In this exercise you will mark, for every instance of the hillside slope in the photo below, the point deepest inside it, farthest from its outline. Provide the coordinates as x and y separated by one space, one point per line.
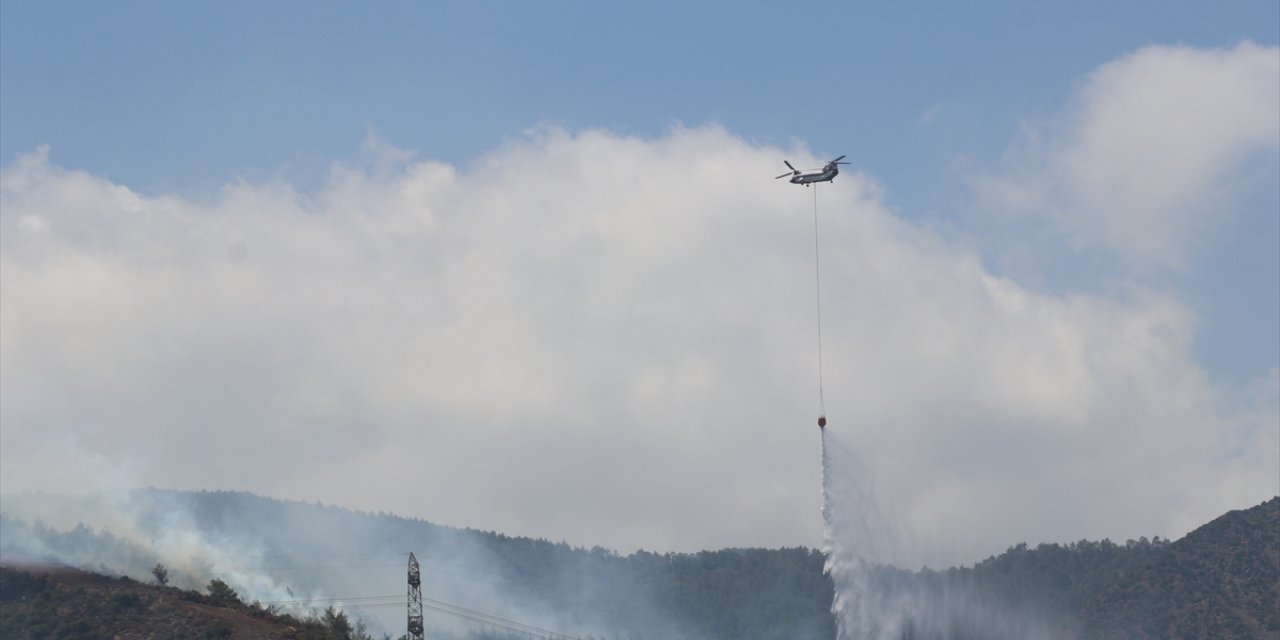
61 602
1220 581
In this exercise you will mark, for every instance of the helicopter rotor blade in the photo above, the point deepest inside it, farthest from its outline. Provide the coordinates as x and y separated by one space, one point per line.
785 175
793 169
837 161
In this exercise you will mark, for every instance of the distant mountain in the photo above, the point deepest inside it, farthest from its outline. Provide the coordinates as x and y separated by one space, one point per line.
1220 581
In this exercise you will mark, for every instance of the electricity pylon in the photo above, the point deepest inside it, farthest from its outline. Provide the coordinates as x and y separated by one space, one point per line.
415 599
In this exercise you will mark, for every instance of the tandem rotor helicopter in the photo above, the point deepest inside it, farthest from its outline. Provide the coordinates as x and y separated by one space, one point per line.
826 174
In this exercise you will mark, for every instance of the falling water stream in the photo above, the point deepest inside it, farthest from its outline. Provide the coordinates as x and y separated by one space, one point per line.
876 601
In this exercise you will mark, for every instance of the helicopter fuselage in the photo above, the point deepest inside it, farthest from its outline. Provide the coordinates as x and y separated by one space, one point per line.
827 174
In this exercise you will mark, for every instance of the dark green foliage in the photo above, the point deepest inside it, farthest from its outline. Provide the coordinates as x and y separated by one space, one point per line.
161 574
222 594
337 622
1053 577
742 594
746 593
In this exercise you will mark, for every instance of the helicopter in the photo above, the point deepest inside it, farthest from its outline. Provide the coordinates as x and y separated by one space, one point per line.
826 174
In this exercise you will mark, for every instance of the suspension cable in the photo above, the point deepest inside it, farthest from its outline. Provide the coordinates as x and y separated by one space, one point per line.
817 273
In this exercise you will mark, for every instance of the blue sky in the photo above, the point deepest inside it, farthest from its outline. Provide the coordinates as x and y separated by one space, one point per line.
156 94
978 139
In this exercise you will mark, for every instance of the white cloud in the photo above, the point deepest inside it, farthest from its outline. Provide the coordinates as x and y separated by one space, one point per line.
599 338
1151 153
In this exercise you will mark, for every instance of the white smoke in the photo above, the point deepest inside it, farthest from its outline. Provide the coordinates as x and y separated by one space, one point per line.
301 558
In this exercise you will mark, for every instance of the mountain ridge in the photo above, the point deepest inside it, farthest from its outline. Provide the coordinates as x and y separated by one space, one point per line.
1084 589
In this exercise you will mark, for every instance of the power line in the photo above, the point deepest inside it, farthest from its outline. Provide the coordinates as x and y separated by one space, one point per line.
487 618
536 587
473 615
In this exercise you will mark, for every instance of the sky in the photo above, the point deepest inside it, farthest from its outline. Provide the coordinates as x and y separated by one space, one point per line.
524 266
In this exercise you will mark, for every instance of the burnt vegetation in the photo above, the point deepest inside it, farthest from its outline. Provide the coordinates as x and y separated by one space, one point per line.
59 602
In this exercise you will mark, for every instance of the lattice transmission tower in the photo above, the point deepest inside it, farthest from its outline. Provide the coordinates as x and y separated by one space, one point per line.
415 599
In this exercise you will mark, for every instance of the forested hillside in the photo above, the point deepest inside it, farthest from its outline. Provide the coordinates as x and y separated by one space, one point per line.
1219 581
